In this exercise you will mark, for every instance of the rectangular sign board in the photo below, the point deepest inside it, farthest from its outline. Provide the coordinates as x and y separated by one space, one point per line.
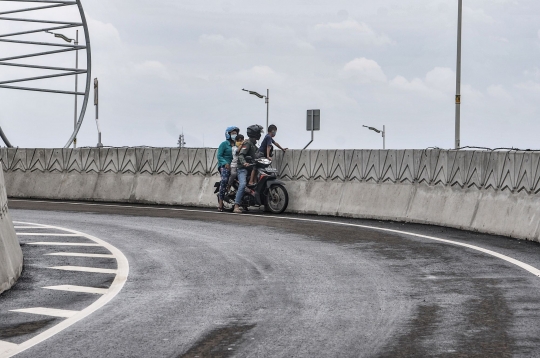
313 120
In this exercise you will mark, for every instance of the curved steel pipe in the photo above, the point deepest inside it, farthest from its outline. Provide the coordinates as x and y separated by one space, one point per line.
88 75
4 138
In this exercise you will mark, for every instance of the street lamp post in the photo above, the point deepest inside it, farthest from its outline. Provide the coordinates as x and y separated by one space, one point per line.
379 131
457 143
76 86
266 100
76 43
96 104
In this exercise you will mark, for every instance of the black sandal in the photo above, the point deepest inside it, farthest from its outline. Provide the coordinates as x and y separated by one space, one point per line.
220 209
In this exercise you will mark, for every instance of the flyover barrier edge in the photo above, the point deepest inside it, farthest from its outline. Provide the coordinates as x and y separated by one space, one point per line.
11 257
495 192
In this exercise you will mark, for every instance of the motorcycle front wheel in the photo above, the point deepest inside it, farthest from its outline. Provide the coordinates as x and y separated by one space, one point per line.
277 199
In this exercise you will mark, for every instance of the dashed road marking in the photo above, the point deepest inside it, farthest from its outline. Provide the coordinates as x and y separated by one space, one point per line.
82 289
76 254
61 244
83 269
53 312
8 349
45 234
7 346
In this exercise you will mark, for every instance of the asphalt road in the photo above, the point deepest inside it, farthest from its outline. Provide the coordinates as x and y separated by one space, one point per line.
203 284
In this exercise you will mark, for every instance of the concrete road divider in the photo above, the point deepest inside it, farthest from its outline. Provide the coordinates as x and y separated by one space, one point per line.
11 258
484 191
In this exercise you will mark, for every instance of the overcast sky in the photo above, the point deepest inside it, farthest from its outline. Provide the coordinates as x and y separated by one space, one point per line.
167 65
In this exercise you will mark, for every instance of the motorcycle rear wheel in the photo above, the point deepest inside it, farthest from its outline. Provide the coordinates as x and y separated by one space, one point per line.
277 199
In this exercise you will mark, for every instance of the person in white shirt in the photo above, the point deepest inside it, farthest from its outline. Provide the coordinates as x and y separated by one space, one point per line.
234 163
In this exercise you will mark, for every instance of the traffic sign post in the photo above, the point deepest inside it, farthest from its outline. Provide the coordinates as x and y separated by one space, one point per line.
313 123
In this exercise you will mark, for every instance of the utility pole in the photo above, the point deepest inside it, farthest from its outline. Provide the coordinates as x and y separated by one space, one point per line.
458 77
383 137
76 85
96 103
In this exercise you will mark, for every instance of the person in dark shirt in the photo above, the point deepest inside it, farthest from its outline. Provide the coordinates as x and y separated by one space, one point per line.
248 149
266 147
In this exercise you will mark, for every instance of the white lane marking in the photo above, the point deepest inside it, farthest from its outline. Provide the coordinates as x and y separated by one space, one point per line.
76 254
45 234
83 269
53 312
509 259
61 244
29 227
114 289
6 346
82 289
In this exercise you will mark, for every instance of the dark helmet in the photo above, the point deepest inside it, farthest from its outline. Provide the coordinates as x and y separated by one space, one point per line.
255 131
229 130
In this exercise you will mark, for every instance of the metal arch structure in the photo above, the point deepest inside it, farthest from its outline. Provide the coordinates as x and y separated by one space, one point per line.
56 25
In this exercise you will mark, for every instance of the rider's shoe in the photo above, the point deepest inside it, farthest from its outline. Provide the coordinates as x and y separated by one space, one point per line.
237 211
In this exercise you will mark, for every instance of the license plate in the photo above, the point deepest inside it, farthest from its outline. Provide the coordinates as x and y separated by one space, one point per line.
271 170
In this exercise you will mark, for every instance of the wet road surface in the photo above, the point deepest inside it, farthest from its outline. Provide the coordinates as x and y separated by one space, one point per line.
203 284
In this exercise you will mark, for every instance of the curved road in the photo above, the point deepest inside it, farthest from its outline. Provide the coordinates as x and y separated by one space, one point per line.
203 284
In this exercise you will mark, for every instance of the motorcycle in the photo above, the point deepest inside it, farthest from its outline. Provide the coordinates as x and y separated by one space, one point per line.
268 192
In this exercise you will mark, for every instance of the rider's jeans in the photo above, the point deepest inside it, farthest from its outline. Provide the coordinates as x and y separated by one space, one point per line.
242 182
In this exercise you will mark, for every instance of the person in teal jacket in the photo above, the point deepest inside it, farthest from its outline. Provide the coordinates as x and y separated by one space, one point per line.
225 157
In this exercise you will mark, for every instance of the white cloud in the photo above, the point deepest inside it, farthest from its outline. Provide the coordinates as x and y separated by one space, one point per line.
530 86
500 39
477 15
221 42
255 76
304 45
364 70
469 93
349 32
534 73
442 79
499 93
103 35
416 84
151 68
438 83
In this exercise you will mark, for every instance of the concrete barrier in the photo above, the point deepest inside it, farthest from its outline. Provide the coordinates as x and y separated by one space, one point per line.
11 258
490 192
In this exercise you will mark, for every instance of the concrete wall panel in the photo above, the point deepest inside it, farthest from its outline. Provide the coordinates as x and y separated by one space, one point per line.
492 192
11 258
